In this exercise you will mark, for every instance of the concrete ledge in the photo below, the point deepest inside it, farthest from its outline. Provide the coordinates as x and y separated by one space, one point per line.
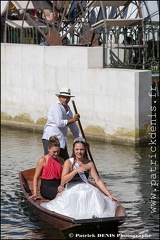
114 104
22 126
95 135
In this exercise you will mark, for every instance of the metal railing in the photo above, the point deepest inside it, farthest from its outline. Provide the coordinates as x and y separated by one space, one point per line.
123 47
22 35
131 47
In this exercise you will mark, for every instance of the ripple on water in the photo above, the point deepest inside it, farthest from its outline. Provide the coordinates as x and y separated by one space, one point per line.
125 171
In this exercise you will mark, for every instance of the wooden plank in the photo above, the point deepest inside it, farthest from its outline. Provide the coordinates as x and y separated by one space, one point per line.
117 22
32 4
27 24
109 3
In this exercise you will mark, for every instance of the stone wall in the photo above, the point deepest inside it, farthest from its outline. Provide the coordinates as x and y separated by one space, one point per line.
113 103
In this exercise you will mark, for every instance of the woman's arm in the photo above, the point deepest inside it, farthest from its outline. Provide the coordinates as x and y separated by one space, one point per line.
38 171
99 182
67 172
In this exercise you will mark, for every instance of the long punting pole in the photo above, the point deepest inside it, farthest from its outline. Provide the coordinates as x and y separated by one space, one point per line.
81 129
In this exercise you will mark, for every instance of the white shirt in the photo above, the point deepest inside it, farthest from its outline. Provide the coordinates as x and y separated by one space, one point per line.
56 124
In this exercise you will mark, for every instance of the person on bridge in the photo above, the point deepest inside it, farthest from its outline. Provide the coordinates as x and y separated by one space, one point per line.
59 118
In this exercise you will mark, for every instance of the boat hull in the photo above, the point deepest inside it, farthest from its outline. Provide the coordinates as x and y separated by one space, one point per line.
59 221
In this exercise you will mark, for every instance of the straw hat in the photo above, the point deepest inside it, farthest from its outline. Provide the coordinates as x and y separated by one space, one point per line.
64 92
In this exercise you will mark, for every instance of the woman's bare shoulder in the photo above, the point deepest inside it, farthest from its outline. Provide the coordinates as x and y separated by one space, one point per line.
42 160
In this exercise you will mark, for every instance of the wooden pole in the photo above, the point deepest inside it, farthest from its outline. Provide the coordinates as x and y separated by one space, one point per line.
81 129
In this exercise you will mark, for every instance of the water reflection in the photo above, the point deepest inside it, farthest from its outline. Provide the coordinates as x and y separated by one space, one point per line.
125 170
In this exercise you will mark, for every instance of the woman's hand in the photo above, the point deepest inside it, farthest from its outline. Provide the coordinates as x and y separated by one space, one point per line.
34 196
81 169
60 188
112 197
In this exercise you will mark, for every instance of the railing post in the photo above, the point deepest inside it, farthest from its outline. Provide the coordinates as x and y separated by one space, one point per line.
104 43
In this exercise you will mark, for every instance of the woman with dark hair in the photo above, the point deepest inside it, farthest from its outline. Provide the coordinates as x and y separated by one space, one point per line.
49 168
82 199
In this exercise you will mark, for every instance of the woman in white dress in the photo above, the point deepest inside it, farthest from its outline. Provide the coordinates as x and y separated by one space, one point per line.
82 199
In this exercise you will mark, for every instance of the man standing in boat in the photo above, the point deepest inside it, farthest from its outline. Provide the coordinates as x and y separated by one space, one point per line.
59 118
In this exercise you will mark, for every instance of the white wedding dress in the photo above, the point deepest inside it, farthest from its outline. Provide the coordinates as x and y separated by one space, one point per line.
81 200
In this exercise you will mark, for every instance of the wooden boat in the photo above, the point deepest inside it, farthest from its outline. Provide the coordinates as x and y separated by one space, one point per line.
59 221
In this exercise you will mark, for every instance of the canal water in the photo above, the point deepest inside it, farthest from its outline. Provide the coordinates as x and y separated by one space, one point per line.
127 172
